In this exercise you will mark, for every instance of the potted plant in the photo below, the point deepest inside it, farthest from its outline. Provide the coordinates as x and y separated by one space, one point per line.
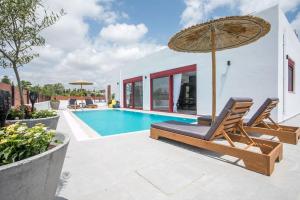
31 160
31 118
54 103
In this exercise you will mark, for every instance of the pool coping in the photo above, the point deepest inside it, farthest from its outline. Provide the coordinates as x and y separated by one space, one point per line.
83 132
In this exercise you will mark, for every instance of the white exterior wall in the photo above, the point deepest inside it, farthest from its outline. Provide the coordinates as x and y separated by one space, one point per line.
253 71
288 45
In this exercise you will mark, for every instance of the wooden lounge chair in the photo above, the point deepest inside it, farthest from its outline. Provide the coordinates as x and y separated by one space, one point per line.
89 104
223 128
258 124
73 104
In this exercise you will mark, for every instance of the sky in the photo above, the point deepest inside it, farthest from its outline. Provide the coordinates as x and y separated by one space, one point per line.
96 36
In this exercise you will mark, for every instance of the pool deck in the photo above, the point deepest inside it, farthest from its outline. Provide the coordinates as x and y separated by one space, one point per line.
135 167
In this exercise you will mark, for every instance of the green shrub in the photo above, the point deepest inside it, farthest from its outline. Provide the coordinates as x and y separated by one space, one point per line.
19 112
43 114
16 113
18 142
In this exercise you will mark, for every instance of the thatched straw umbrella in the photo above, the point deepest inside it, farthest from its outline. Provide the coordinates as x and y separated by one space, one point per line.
81 83
217 35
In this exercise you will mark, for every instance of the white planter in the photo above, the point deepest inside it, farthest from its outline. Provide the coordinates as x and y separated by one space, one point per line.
34 178
50 122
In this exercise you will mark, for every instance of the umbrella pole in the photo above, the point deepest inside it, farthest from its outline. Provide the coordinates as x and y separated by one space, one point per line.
213 57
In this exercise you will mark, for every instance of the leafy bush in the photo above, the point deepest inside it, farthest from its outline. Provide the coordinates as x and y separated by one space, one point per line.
18 142
20 112
43 114
17 113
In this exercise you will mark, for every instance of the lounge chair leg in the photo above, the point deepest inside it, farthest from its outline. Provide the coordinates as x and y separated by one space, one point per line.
153 135
263 166
280 154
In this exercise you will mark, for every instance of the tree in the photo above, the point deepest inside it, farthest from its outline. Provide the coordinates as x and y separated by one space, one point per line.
26 84
21 22
6 80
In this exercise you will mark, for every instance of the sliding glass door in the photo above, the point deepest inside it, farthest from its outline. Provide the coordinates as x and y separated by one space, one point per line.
128 95
133 93
138 94
174 90
161 94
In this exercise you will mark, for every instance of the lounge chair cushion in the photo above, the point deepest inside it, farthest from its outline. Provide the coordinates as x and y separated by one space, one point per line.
227 109
89 102
191 130
72 102
261 109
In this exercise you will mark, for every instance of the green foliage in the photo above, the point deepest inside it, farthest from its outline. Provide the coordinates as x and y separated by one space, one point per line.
6 80
26 84
21 24
18 142
52 89
43 114
18 113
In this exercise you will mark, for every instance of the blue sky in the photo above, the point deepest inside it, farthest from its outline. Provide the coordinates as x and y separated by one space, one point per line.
163 17
98 36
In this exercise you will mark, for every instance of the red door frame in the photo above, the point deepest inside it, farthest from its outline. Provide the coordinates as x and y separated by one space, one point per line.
291 85
169 73
132 81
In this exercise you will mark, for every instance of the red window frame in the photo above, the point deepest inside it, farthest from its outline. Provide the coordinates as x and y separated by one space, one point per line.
291 79
169 73
132 81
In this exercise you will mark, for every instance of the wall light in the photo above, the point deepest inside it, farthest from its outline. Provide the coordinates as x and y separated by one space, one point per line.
145 77
228 63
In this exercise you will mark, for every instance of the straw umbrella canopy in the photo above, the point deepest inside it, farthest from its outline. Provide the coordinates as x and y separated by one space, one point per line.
217 35
81 83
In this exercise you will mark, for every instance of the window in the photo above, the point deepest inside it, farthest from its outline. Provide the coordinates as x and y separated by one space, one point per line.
291 75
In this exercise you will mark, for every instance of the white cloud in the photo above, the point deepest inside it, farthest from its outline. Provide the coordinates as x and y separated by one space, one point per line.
197 11
296 23
123 33
71 54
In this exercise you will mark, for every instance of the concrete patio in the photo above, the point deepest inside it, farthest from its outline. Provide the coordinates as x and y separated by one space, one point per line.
135 167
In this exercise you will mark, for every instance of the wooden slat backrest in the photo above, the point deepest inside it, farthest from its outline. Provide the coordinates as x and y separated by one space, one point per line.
266 113
230 117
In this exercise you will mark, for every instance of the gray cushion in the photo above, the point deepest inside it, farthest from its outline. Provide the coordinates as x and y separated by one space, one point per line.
72 102
191 130
89 102
261 109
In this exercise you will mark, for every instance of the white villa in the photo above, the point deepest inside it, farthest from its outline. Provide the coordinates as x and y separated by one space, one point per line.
181 82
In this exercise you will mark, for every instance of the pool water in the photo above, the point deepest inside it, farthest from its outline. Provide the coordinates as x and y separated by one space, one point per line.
112 122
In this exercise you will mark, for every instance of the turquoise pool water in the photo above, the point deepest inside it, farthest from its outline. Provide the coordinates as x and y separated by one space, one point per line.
112 122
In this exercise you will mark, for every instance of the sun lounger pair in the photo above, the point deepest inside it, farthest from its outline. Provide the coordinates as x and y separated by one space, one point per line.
225 129
258 124
88 104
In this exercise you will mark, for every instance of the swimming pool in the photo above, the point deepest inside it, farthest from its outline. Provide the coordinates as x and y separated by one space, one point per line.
113 122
